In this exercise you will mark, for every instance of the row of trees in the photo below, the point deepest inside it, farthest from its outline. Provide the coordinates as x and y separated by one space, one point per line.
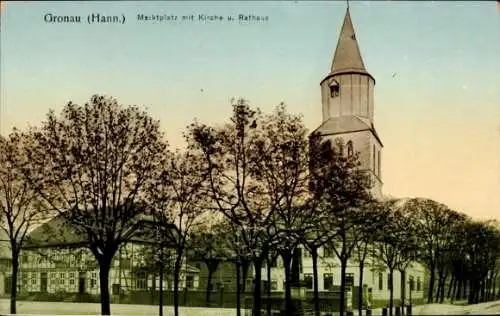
250 190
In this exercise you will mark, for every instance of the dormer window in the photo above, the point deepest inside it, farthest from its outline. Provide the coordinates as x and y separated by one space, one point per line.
334 89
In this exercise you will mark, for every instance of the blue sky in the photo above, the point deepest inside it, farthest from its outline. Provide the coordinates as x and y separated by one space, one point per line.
437 97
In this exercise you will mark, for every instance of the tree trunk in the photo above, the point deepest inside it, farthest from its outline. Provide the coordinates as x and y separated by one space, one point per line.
238 288
245 264
432 279
212 265
269 263
438 288
493 287
257 293
360 292
466 284
160 290
483 290
478 291
451 287
177 271
403 290
287 260
470 297
391 290
442 287
15 273
314 255
104 267
209 287
458 288
343 268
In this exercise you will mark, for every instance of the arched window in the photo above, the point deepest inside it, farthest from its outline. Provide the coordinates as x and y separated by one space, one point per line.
334 88
350 149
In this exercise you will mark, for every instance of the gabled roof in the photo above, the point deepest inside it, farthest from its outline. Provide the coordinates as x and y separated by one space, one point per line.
347 55
345 124
58 232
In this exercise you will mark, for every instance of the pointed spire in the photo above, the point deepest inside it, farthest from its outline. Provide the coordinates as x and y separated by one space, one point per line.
347 54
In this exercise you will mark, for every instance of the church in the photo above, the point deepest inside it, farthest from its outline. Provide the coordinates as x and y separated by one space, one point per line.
347 97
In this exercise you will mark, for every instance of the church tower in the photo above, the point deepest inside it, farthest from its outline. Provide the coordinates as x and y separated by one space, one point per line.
347 104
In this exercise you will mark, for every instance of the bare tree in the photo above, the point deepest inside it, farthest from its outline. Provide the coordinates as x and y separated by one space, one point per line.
210 244
434 223
372 214
20 209
396 244
91 164
344 190
178 199
281 166
228 151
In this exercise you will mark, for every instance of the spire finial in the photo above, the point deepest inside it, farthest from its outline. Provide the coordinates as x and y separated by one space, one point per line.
347 4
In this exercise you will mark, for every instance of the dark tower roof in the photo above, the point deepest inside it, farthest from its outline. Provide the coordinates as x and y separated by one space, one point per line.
347 56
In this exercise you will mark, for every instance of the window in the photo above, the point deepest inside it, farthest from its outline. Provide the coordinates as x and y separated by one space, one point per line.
412 283
374 156
308 280
307 254
388 282
350 149
334 89
190 281
142 284
378 162
380 281
61 281
25 258
328 252
349 279
33 275
93 283
71 281
33 281
328 281
418 284
94 275
24 278
72 275
53 275
274 285
116 289
62 275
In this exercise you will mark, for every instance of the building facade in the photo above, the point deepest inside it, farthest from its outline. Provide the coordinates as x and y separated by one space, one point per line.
55 260
75 270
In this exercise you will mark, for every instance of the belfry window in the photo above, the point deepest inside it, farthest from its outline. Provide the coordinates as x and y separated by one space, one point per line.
334 89
350 149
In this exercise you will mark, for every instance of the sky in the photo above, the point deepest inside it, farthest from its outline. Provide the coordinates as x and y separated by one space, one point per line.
436 65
